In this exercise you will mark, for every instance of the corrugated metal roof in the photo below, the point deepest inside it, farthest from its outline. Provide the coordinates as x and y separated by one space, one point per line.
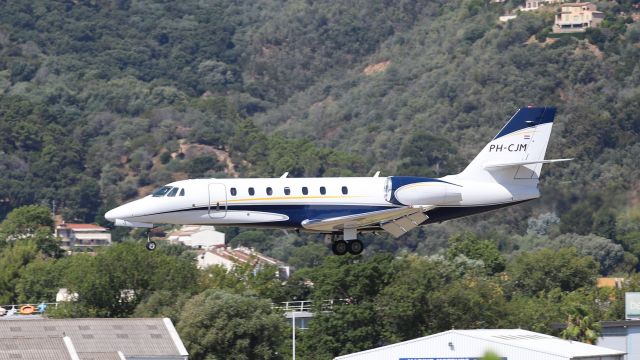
34 349
144 337
99 356
509 338
539 342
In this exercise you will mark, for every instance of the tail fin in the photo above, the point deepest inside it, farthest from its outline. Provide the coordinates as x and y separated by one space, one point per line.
516 154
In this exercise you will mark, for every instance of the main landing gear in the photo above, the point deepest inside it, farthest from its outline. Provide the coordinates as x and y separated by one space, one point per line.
349 244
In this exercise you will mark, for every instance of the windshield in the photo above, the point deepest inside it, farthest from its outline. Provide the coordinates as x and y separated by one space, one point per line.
173 192
160 192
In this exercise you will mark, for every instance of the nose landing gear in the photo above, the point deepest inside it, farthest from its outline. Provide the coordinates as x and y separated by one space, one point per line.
150 245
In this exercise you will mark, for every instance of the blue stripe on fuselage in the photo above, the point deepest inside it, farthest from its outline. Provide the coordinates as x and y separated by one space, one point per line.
299 213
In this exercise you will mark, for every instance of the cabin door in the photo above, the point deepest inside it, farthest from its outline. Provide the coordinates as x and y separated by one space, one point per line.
217 201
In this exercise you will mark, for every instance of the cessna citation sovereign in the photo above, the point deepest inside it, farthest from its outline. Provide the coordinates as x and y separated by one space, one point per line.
504 173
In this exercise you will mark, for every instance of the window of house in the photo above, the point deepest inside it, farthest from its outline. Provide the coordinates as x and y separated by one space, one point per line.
181 192
287 191
345 191
323 190
269 191
234 192
305 191
173 192
252 191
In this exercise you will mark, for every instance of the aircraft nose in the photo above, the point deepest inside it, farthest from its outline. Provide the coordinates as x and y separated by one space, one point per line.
121 212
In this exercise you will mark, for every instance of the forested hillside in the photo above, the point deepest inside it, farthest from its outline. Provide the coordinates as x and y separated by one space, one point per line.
103 100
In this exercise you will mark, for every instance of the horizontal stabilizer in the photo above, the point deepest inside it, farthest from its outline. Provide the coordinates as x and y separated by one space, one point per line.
489 166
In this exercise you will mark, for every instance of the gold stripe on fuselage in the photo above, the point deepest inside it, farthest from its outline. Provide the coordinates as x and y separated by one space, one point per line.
292 198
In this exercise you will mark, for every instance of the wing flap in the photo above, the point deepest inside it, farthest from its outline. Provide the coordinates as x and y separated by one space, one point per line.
403 225
362 220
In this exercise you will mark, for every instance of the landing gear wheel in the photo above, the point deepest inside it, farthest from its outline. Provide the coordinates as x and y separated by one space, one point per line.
355 247
339 247
150 245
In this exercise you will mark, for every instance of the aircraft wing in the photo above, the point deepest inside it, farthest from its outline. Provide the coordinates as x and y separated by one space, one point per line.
396 221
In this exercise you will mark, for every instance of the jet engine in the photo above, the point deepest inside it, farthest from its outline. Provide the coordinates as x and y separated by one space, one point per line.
407 190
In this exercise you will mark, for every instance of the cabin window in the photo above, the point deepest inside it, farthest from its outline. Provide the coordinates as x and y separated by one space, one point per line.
181 192
345 191
234 192
323 190
173 192
252 191
305 191
269 191
287 191
160 192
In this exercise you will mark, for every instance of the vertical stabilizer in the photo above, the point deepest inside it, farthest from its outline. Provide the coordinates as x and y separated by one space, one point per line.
515 155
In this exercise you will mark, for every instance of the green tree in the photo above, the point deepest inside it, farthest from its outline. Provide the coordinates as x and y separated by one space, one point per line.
220 325
162 303
307 256
471 246
13 259
116 280
39 281
424 154
581 326
25 221
547 269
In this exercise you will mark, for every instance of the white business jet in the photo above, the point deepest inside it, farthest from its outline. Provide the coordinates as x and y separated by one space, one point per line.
504 173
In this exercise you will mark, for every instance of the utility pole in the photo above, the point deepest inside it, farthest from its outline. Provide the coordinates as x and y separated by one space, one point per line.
293 333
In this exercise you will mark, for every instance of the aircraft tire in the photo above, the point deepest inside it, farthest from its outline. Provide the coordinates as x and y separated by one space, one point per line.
340 247
150 245
355 247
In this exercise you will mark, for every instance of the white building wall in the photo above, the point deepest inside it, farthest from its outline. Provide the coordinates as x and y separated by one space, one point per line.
204 239
461 347
209 259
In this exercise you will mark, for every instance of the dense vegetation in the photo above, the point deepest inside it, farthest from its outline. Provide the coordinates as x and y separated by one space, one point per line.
377 300
100 101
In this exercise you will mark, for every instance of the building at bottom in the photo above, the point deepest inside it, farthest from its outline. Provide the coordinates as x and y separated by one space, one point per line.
622 335
90 339
508 344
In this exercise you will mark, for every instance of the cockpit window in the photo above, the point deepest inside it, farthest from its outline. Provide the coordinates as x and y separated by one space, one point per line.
181 192
173 192
162 191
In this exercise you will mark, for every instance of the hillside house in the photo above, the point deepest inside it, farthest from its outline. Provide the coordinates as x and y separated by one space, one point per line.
197 236
229 258
82 235
531 5
577 17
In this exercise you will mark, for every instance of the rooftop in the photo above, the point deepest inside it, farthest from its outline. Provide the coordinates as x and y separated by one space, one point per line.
576 4
36 348
522 339
103 338
81 227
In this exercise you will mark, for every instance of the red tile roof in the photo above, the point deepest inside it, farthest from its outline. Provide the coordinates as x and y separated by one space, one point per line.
92 227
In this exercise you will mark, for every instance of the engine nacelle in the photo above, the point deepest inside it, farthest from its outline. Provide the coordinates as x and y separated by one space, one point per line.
407 190
134 224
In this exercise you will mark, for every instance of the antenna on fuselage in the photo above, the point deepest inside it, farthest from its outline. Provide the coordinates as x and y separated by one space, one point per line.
377 174
284 175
